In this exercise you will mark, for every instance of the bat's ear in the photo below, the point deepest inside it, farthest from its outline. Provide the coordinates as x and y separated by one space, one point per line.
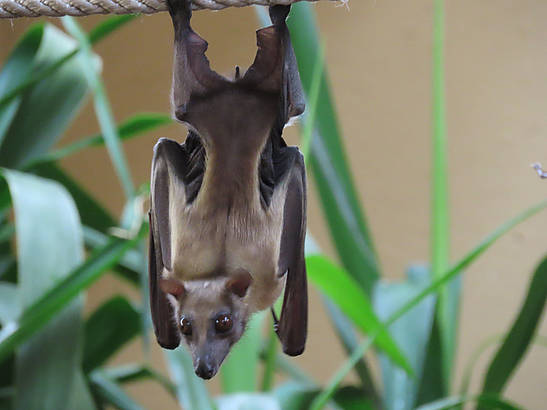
239 283
172 287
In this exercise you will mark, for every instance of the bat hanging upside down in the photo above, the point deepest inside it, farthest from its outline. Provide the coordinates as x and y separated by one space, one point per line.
228 206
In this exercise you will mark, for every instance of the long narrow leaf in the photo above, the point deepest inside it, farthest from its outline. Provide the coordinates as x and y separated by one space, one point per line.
489 401
134 372
270 354
519 337
109 392
346 367
239 371
348 337
130 128
102 29
45 308
342 289
432 385
102 109
477 353
80 397
191 391
92 212
16 71
411 332
127 267
49 245
448 300
47 109
108 26
10 307
110 327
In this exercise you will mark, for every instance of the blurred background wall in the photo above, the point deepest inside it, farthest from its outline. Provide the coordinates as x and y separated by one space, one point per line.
379 58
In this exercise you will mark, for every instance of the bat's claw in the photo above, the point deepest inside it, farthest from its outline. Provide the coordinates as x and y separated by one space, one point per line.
279 13
180 11
537 166
275 322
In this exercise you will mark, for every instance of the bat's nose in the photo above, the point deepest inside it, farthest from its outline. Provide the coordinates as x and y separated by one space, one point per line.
205 370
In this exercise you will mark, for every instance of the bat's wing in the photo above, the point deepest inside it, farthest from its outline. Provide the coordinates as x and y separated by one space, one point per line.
293 323
293 99
193 78
162 311
177 172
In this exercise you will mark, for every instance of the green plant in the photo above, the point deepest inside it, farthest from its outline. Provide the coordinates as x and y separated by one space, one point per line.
55 219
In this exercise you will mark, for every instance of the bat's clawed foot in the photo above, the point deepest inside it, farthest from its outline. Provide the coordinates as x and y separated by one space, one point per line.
279 13
537 166
180 11
275 322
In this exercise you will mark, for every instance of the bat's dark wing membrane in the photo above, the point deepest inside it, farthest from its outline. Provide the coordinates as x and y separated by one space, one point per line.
293 100
293 323
173 166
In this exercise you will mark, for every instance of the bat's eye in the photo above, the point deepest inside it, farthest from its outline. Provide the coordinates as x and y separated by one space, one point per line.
223 323
185 326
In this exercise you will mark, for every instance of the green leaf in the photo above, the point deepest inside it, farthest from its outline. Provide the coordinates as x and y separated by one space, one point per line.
111 393
108 26
49 303
481 348
346 333
296 396
108 329
337 191
130 128
522 331
128 266
92 213
346 367
102 108
269 354
239 372
191 391
342 289
98 33
411 333
10 308
250 401
133 372
80 397
286 366
16 70
449 295
49 245
47 109
432 385
489 401
311 109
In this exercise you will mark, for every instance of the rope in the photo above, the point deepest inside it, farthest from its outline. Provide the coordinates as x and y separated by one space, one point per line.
57 8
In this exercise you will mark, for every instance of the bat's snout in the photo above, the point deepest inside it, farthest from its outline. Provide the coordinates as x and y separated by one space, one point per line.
205 370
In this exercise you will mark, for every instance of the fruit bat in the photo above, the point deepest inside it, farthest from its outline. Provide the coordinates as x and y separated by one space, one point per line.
228 206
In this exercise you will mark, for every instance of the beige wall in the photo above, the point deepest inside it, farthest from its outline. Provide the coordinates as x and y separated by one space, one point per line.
379 61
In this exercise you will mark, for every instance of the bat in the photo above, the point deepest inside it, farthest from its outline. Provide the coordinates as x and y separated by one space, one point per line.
228 206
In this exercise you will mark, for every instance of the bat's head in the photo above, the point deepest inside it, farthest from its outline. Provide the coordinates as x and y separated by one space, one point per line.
211 316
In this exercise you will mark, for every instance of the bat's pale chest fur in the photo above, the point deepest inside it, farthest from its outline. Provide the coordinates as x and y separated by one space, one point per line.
226 228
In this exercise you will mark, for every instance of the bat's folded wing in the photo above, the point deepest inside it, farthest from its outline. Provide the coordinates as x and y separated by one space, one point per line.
292 326
173 166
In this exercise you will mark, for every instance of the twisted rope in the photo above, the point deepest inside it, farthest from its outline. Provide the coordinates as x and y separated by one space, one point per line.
57 8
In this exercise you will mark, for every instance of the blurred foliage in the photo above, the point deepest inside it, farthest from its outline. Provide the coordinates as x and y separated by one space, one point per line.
44 270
